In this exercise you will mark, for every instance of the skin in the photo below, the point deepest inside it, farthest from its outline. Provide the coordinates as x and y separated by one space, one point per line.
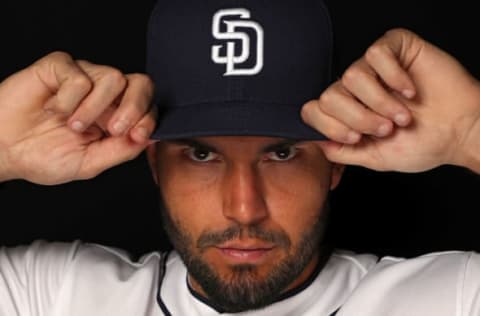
427 101
243 182
400 74
77 120
404 106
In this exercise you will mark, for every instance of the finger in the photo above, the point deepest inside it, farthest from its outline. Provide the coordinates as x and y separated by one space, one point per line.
355 155
361 81
135 103
145 127
338 103
63 77
92 134
109 152
109 83
330 127
385 56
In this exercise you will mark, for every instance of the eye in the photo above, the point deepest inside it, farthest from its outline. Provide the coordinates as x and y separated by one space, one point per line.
283 154
199 154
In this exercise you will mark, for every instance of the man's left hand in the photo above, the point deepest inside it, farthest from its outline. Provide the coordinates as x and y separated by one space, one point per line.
406 106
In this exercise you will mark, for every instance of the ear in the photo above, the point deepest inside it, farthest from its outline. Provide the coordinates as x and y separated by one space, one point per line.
337 173
152 160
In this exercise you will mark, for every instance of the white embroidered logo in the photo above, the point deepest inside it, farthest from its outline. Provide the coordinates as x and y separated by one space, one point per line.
230 59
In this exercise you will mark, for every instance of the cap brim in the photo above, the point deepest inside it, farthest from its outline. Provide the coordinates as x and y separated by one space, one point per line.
233 119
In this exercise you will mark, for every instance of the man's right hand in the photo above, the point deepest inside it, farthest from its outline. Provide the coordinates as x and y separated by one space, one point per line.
63 119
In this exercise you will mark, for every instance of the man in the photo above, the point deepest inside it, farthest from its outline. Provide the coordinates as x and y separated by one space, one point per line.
245 194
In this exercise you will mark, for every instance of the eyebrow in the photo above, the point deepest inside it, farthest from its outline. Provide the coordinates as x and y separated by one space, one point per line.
280 145
191 142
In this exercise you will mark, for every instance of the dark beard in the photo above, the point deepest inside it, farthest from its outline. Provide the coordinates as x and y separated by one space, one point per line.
244 289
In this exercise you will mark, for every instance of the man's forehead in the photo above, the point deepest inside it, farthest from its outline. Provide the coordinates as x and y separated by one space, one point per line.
216 143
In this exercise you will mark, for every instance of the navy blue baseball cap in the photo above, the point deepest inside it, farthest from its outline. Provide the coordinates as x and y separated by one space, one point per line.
238 67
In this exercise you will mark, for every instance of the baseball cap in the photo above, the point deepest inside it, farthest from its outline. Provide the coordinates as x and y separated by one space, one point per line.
237 67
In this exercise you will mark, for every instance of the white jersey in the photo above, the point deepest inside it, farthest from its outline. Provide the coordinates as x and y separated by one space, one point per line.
58 279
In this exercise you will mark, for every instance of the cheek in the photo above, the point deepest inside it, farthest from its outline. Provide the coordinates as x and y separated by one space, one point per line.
295 195
190 195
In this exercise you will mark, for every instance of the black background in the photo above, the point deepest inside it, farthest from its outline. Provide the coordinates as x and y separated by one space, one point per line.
382 213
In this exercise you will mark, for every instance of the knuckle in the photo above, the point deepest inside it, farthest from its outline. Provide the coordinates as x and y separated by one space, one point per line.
308 109
81 83
52 59
397 30
351 75
139 78
328 100
325 98
374 52
59 55
115 78
143 80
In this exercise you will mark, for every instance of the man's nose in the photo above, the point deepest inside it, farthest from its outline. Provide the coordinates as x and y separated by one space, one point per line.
243 196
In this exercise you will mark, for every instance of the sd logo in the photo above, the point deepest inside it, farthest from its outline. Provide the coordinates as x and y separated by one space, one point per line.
231 60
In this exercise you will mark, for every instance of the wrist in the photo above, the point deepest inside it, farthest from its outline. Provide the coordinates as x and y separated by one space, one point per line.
468 151
471 150
5 174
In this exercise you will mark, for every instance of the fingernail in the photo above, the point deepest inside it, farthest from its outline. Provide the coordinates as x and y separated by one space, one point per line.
353 137
401 119
407 93
120 126
78 126
383 130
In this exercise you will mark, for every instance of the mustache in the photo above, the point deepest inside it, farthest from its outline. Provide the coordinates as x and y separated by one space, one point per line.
212 238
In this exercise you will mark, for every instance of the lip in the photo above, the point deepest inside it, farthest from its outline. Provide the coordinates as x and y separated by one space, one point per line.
246 245
245 252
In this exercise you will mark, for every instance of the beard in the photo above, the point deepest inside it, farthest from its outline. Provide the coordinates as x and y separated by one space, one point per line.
243 288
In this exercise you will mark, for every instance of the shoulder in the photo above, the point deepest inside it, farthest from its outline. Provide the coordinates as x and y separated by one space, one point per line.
362 262
426 271
348 267
447 261
105 262
429 283
98 272
84 274
44 255
345 270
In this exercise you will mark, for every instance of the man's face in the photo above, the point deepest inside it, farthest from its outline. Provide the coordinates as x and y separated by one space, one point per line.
246 214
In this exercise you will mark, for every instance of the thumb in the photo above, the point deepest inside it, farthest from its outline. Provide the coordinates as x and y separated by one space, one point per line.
109 152
356 155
